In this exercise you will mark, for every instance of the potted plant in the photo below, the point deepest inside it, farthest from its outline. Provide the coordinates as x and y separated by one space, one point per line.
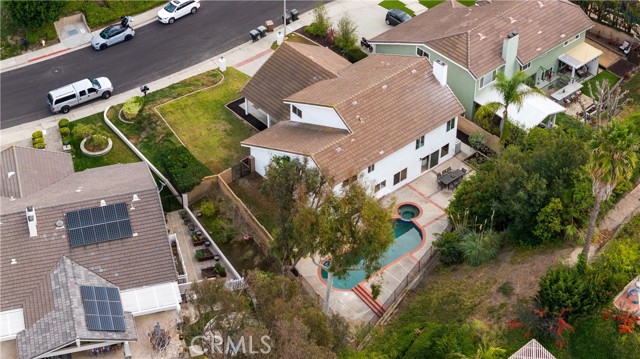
203 255
183 213
198 241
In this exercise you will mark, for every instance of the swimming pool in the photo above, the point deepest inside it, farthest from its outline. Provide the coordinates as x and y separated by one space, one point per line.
408 238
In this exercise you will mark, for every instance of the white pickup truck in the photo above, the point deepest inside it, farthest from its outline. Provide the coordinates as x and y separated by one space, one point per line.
63 98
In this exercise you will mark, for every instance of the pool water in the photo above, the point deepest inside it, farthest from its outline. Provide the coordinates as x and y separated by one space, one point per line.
408 238
408 211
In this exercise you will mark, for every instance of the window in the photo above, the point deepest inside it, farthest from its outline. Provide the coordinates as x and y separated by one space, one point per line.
420 52
380 186
444 150
420 142
83 93
400 176
525 66
92 90
349 180
371 168
65 98
487 79
571 40
297 111
451 124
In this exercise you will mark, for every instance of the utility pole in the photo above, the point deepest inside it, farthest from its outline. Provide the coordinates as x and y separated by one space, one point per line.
284 19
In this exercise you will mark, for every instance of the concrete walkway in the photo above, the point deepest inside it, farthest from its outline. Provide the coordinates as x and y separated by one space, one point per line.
176 225
626 208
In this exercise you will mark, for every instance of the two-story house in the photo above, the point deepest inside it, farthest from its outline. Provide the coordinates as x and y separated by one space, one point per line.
546 39
385 119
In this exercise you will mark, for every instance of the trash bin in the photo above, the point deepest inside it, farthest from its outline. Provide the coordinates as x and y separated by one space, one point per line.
262 30
255 35
294 15
288 18
458 146
269 25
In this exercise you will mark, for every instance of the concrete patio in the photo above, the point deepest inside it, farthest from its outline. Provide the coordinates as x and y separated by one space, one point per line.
422 192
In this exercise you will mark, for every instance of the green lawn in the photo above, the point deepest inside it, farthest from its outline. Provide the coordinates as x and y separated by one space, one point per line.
120 153
210 131
293 37
431 3
604 75
395 4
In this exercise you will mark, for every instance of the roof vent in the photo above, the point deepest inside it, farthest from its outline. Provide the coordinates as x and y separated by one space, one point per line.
381 152
512 20
354 103
103 203
32 221
540 3
14 261
10 174
384 87
79 189
482 37
135 198
339 149
540 32
12 198
414 71
59 223
538 49
562 35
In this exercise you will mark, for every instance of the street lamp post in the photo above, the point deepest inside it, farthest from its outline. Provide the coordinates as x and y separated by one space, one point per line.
284 19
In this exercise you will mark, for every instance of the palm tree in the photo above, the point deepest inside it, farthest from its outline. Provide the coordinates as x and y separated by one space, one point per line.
613 158
512 92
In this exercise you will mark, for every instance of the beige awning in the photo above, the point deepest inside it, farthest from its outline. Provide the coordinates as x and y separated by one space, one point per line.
580 55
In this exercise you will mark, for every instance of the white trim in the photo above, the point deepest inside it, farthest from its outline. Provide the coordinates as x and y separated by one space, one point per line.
78 348
11 323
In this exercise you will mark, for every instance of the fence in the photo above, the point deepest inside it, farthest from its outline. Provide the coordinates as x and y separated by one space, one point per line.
312 293
468 127
182 278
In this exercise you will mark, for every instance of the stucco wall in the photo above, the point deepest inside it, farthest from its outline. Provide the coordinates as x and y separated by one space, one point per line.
318 115
262 157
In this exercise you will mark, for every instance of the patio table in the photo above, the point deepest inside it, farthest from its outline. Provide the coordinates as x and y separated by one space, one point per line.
566 91
450 177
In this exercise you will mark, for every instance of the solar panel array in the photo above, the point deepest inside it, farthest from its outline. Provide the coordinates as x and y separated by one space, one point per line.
98 224
103 308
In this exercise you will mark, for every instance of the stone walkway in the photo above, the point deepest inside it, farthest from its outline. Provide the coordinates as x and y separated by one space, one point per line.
626 208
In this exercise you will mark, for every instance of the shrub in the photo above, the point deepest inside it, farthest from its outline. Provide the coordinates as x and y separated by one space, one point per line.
207 208
37 134
222 231
448 244
354 55
564 288
63 123
321 21
479 247
33 14
66 140
65 131
549 227
346 37
182 169
477 140
38 142
132 107
506 289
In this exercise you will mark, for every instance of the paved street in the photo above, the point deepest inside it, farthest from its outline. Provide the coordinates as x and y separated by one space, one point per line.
156 51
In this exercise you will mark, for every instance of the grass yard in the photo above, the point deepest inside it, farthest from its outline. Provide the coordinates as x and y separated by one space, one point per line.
293 37
395 4
120 153
210 131
633 86
248 190
431 3
604 75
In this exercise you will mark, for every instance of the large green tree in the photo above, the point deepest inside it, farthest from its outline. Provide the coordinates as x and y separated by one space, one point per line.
351 229
613 159
290 182
512 93
32 14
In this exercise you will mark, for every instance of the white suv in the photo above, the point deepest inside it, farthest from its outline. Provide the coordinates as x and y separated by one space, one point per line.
176 9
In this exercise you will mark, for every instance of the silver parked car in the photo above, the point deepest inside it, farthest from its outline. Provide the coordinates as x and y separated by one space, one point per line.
114 34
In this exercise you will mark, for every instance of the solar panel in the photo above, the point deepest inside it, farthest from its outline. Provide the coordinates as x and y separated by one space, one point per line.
103 309
98 224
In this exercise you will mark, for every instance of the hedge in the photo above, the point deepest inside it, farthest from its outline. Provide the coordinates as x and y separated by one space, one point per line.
63 123
132 107
65 131
183 170
37 134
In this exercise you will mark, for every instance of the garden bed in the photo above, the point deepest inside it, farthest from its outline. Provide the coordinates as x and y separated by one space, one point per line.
205 254
476 159
176 258
356 56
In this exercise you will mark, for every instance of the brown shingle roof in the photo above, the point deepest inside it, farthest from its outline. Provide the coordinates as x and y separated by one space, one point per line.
473 36
291 68
387 101
295 137
25 170
54 312
128 263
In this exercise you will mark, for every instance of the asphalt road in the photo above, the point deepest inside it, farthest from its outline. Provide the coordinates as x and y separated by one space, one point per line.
157 50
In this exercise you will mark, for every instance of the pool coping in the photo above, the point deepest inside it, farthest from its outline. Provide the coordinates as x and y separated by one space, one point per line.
396 216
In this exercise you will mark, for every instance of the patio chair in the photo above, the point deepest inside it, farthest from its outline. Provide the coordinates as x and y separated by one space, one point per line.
464 171
625 45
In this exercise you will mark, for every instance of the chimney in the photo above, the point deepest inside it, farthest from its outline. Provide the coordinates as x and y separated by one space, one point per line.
440 72
509 53
32 222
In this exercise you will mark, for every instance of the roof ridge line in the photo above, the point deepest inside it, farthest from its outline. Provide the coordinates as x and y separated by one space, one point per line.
293 47
15 161
492 18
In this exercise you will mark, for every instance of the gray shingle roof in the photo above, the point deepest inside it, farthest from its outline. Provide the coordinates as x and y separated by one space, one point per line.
473 36
54 312
144 259
25 170
386 101
291 68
